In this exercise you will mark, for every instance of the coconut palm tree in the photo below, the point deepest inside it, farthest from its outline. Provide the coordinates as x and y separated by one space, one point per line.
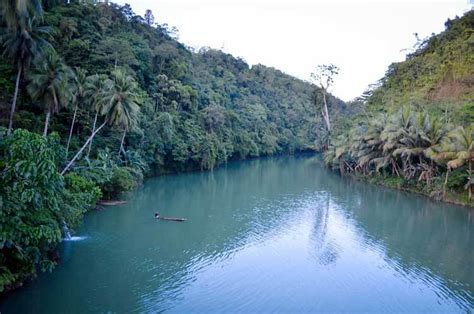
369 148
14 10
120 107
50 83
21 45
415 136
78 154
395 133
457 150
96 88
78 98
123 105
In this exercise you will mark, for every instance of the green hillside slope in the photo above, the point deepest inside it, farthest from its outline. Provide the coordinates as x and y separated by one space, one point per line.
415 129
439 75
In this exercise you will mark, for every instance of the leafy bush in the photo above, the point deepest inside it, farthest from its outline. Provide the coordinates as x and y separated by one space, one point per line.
80 196
123 179
32 192
35 202
457 179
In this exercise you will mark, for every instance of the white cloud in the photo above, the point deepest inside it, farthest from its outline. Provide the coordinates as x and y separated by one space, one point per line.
361 37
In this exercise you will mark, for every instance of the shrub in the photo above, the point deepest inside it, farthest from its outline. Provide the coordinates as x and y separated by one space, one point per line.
122 180
31 194
457 178
81 195
35 202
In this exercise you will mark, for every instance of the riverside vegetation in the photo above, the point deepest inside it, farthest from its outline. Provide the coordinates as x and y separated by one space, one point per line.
94 98
414 129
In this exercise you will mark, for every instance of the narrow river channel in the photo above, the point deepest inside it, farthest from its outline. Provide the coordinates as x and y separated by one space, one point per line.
279 234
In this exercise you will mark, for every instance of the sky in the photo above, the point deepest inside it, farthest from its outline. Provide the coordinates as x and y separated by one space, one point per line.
361 37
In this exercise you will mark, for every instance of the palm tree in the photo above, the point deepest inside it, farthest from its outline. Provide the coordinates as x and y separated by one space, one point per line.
71 162
119 104
415 136
21 45
339 153
80 81
123 104
457 150
50 82
395 133
14 10
369 148
96 87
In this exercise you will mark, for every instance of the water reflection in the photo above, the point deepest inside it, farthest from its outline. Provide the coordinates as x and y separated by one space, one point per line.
279 234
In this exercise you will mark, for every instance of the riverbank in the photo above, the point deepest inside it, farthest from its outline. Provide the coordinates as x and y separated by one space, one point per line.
451 197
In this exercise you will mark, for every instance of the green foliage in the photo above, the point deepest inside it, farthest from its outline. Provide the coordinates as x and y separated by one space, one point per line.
414 127
50 82
80 196
457 179
122 180
35 202
437 74
198 110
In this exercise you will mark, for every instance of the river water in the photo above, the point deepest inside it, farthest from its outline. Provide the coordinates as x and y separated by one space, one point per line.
280 234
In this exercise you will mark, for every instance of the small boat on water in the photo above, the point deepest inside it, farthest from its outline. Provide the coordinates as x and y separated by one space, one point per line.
158 216
172 219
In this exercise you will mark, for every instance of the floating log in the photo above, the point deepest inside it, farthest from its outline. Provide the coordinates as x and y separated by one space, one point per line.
111 203
172 219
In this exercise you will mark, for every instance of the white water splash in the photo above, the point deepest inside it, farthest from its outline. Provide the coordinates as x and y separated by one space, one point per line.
73 239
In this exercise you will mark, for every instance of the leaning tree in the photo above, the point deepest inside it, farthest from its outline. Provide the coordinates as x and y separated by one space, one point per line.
324 78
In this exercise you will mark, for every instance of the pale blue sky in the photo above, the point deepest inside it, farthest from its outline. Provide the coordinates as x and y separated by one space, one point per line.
361 37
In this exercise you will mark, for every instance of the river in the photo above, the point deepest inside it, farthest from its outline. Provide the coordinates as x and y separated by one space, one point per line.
279 234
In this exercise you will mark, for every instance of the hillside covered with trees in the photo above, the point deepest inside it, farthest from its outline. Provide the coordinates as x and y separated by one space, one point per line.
414 130
94 98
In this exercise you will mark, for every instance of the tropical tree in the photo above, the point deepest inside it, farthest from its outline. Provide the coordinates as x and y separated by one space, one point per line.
14 11
457 150
368 147
78 98
338 154
120 107
324 77
96 87
123 105
149 17
22 44
423 133
50 83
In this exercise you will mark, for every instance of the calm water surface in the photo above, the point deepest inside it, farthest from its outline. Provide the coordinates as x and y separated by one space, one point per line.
280 234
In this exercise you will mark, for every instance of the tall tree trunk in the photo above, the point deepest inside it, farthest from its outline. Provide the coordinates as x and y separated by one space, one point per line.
15 96
72 128
46 123
121 143
82 148
326 112
326 118
445 182
48 114
93 130
469 188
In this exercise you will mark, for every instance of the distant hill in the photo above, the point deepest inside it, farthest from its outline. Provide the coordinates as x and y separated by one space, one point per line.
439 75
